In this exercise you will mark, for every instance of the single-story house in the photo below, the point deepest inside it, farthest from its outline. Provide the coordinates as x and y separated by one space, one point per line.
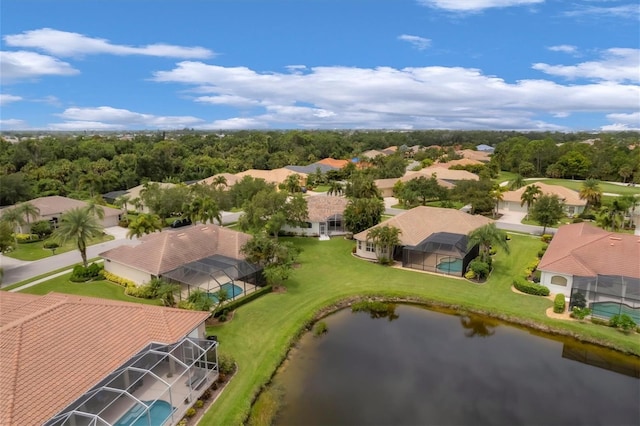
72 360
275 176
134 194
324 217
310 169
371 154
200 256
573 205
450 175
231 179
484 157
385 186
461 162
485 148
53 207
604 266
431 239
332 162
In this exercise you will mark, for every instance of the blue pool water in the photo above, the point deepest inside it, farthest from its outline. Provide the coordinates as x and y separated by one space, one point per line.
159 411
454 265
609 309
232 291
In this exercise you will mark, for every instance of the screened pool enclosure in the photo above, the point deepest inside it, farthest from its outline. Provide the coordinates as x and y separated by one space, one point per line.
442 252
212 274
608 295
153 388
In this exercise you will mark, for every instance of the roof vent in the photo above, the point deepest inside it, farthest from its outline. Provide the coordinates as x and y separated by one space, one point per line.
182 234
615 238
204 229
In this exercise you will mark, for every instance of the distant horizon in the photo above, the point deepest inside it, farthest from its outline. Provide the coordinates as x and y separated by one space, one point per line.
335 65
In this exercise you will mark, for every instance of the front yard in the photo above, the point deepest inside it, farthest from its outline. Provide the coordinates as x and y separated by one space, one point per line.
36 250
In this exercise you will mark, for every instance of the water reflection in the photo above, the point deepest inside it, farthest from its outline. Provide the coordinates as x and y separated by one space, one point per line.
477 326
629 366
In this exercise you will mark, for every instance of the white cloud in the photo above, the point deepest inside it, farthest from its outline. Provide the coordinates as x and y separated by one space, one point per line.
623 122
564 48
6 99
13 124
104 118
418 42
238 123
26 65
63 43
617 64
628 11
384 97
475 5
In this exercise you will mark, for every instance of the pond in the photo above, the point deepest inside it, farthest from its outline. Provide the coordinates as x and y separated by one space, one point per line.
431 368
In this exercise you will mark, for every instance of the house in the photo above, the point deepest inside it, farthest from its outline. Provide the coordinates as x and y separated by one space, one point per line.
431 239
207 257
230 179
573 205
449 175
485 148
136 192
310 169
475 155
462 162
275 176
385 186
604 266
80 360
53 207
371 154
336 164
324 217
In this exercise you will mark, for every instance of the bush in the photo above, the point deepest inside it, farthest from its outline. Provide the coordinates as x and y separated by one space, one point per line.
199 403
587 216
577 220
118 280
546 238
530 288
226 364
320 328
51 245
470 275
82 274
190 412
42 228
623 321
579 300
581 313
27 238
235 304
559 303
480 269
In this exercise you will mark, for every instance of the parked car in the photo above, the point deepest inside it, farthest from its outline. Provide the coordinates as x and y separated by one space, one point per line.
179 223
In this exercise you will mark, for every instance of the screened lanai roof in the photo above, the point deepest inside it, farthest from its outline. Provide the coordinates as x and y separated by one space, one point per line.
443 242
221 269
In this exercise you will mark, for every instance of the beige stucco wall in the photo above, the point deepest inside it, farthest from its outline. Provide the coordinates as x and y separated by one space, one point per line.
124 271
545 280
314 231
361 252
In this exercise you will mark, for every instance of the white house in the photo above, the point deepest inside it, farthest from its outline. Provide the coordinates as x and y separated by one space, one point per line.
324 217
573 205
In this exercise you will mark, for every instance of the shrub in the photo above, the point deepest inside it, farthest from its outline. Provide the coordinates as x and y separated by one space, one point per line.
582 313
320 328
623 321
578 300
226 364
546 238
480 269
42 228
530 288
470 275
82 274
542 251
51 245
559 303
235 304
587 216
182 422
27 238
118 280
577 220
190 412
199 403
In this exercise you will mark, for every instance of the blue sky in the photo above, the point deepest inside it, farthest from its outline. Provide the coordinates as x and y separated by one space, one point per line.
320 64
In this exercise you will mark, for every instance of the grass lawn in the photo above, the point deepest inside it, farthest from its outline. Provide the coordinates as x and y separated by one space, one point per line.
36 251
262 331
604 186
505 176
321 188
102 288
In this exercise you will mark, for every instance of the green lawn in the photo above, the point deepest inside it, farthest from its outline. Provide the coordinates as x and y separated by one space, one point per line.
321 188
604 186
261 332
36 251
505 177
102 288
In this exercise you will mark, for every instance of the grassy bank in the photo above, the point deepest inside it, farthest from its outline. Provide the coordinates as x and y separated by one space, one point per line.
36 250
262 331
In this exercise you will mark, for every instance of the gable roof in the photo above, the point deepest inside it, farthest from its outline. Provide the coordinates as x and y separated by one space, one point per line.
371 154
231 179
164 251
461 162
135 191
569 196
276 176
475 155
321 207
336 164
56 347
420 222
444 173
585 250
57 205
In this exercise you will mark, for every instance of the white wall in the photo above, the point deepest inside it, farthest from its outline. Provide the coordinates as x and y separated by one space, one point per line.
362 252
545 280
314 231
124 271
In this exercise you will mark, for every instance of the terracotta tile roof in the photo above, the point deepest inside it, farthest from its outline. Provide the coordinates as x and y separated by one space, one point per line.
338 164
585 250
420 222
321 207
58 346
570 197
56 205
276 176
231 179
164 251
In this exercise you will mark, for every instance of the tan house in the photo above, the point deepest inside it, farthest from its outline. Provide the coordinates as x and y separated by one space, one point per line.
231 179
385 186
573 205
53 207
431 239
604 266
275 176
80 360
462 162
324 217
481 156
135 194
443 173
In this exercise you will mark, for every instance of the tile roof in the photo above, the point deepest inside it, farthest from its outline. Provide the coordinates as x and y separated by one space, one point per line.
164 251
56 347
445 174
337 164
475 155
461 162
135 191
570 197
390 183
420 222
56 205
276 176
585 250
311 168
231 179
321 207
371 154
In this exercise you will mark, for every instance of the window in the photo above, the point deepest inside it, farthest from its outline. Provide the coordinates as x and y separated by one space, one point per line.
370 247
558 280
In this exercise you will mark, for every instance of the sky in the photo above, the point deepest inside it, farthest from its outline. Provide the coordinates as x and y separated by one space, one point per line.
115 65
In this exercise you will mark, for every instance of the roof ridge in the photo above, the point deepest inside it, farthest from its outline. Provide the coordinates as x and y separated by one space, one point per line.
40 312
162 250
11 400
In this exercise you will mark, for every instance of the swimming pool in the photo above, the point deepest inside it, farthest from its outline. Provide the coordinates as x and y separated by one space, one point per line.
609 309
232 291
159 412
450 264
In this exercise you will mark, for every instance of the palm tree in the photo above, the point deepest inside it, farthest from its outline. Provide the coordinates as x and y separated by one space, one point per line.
591 192
384 238
145 223
15 219
95 208
335 188
28 211
497 194
219 181
80 225
123 202
517 183
292 184
485 237
203 209
529 196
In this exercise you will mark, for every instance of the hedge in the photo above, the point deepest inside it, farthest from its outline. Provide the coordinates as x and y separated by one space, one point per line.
559 303
118 280
528 287
235 304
